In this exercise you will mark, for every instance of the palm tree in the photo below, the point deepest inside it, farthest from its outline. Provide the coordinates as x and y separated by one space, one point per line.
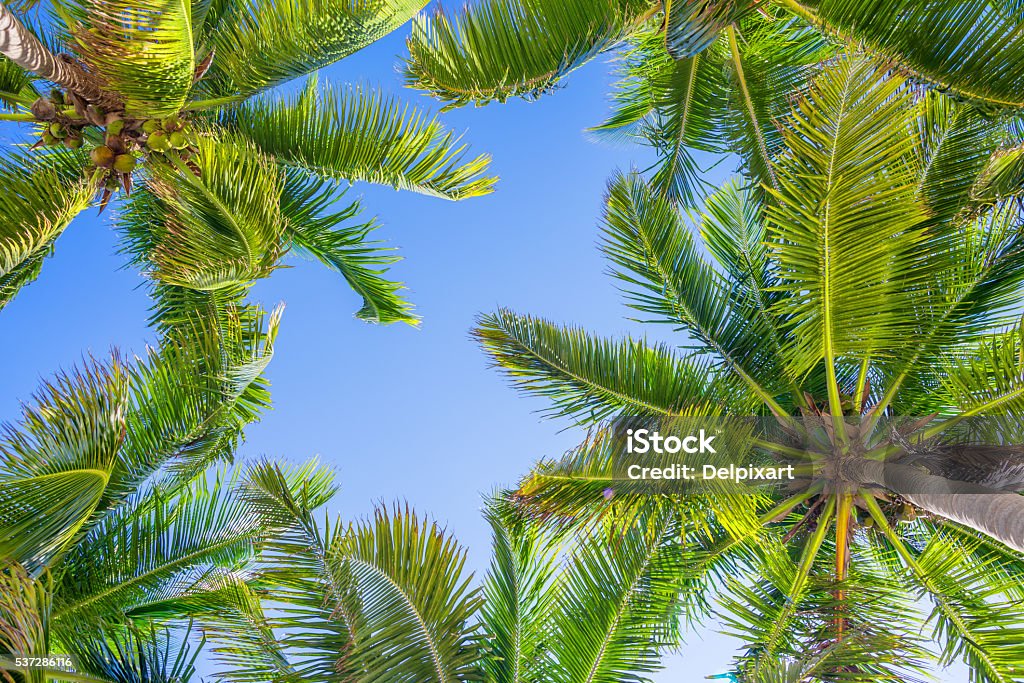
175 97
111 521
711 76
387 599
870 302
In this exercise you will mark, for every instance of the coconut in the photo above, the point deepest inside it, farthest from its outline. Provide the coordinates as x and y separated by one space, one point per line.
73 142
158 142
115 127
102 156
177 140
172 123
124 163
48 139
151 126
57 130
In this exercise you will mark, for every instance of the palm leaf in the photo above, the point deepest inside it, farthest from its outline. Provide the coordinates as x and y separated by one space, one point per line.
973 50
845 219
332 237
690 27
588 379
676 106
24 617
518 594
136 655
259 44
191 399
667 275
141 51
45 193
617 610
220 228
357 135
149 543
54 465
480 56
412 610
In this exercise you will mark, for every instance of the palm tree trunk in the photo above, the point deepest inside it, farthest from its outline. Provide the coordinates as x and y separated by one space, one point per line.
21 46
996 514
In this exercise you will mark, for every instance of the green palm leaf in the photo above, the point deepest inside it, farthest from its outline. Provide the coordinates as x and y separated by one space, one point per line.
54 465
219 228
43 196
677 106
482 55
617 610
971 49
142 51
691 27
152 541
588 379
259 44
357 135
334 238
410 604
136 655
667 275
518 594
848 145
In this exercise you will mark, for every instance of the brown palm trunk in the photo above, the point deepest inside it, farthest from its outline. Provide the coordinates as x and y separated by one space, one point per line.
21 46
996 514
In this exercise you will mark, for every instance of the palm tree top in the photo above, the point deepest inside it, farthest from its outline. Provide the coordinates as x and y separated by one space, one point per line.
874 289
172 103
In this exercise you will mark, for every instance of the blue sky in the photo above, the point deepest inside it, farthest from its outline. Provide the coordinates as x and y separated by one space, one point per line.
402 414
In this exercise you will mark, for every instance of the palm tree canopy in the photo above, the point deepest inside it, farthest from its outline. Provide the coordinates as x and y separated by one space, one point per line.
712 77
112 524
175 100
878 278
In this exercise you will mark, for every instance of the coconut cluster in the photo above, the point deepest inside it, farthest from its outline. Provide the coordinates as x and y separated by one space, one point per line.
117 142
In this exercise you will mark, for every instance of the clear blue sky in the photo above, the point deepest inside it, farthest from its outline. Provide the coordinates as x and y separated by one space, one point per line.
403 414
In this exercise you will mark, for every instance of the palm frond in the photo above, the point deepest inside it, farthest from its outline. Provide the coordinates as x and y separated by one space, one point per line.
136 655
958 143
691 27
151 542
499 49
973 50
617 610
985 378
1002 177
191 399
259 44
141 51
297 576
412 609
518 592
589 379
353 135
55 464
24 616
676 106
220 228
44 194
667 275
769 64
336 239
845 218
